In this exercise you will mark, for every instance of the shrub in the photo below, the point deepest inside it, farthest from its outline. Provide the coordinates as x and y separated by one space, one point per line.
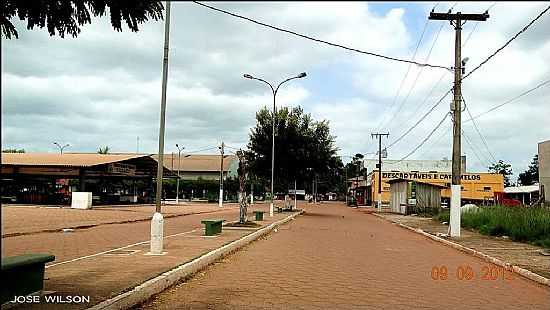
519 223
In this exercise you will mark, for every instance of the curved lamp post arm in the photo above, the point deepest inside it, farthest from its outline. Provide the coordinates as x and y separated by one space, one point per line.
299 76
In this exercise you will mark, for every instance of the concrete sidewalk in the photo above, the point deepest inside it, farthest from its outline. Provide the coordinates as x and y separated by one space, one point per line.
335 257
105 274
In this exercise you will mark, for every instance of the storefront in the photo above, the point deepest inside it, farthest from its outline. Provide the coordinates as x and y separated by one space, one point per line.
476 187
46 178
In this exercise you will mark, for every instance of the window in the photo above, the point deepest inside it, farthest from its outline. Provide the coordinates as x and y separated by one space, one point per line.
486 188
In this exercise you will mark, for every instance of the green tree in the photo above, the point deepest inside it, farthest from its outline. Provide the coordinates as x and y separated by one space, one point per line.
13 151
103 150
503 168
531 175
66 16
304 148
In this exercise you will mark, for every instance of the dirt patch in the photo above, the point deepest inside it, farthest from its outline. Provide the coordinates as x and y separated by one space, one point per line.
521 254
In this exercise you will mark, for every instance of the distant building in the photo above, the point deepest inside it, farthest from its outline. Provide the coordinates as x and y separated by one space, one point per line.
443 165
206 167
544 169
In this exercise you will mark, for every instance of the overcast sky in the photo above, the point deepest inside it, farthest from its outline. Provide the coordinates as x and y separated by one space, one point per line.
103 88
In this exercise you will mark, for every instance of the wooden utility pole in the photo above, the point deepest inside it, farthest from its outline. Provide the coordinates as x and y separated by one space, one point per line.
457 20
379 136
220 201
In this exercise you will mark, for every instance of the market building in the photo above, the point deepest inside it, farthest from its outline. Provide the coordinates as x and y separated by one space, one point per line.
50 178
205 167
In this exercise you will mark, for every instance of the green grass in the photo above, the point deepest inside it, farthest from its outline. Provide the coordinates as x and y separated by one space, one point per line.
530 225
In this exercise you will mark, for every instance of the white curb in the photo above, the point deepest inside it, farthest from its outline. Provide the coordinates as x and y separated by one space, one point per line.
158 284
514 268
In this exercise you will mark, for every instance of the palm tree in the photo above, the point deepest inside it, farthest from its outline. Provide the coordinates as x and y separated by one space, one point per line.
104 150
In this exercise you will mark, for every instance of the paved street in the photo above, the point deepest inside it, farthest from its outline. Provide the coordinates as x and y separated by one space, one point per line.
335 257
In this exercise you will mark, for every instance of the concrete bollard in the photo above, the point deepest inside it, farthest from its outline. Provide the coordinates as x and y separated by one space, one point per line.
271 209
157 234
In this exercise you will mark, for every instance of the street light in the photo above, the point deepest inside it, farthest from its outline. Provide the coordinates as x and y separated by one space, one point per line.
61 148
157 223
179 166
274 90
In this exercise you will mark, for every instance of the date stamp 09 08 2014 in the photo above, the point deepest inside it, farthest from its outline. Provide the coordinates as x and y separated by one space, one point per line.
466 272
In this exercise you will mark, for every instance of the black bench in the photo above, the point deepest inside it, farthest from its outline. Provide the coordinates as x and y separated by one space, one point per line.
212 227
259 215
23 275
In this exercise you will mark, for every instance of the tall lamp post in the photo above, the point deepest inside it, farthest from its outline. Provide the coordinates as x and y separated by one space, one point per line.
180 149
157 223
61 148
274 91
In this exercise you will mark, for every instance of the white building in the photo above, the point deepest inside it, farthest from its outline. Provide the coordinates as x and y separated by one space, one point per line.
443 165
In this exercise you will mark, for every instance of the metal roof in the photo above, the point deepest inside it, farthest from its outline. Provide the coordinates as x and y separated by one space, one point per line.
65 160
522 189
196 163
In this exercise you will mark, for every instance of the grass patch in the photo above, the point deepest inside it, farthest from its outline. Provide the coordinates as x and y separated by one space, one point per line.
530 225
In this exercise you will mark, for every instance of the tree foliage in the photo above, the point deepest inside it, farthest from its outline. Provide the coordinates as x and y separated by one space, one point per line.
531 175
303 148
503 168
13 151
66 16
103 150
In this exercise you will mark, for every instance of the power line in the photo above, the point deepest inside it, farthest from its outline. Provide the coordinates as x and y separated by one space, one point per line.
507 42
418 74
478 131
509 101
405 76
201 150
475 26
421 119
319 40
483 162
437 140
425 139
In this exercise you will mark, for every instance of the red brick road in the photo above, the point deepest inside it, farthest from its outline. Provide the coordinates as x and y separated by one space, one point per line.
335 257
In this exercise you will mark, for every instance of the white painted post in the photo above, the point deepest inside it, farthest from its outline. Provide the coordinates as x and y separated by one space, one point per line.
379 202
295 194
157 233
220 200
454 221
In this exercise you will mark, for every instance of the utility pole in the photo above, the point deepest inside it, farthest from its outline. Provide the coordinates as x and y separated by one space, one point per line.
157 223
137 145
220 201
457 20
379 136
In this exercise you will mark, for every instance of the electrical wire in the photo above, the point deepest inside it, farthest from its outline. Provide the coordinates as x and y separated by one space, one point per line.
507 42
418 74
421 119
508 101
404 77
425 139
478 131
483 162
201 150
319 40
